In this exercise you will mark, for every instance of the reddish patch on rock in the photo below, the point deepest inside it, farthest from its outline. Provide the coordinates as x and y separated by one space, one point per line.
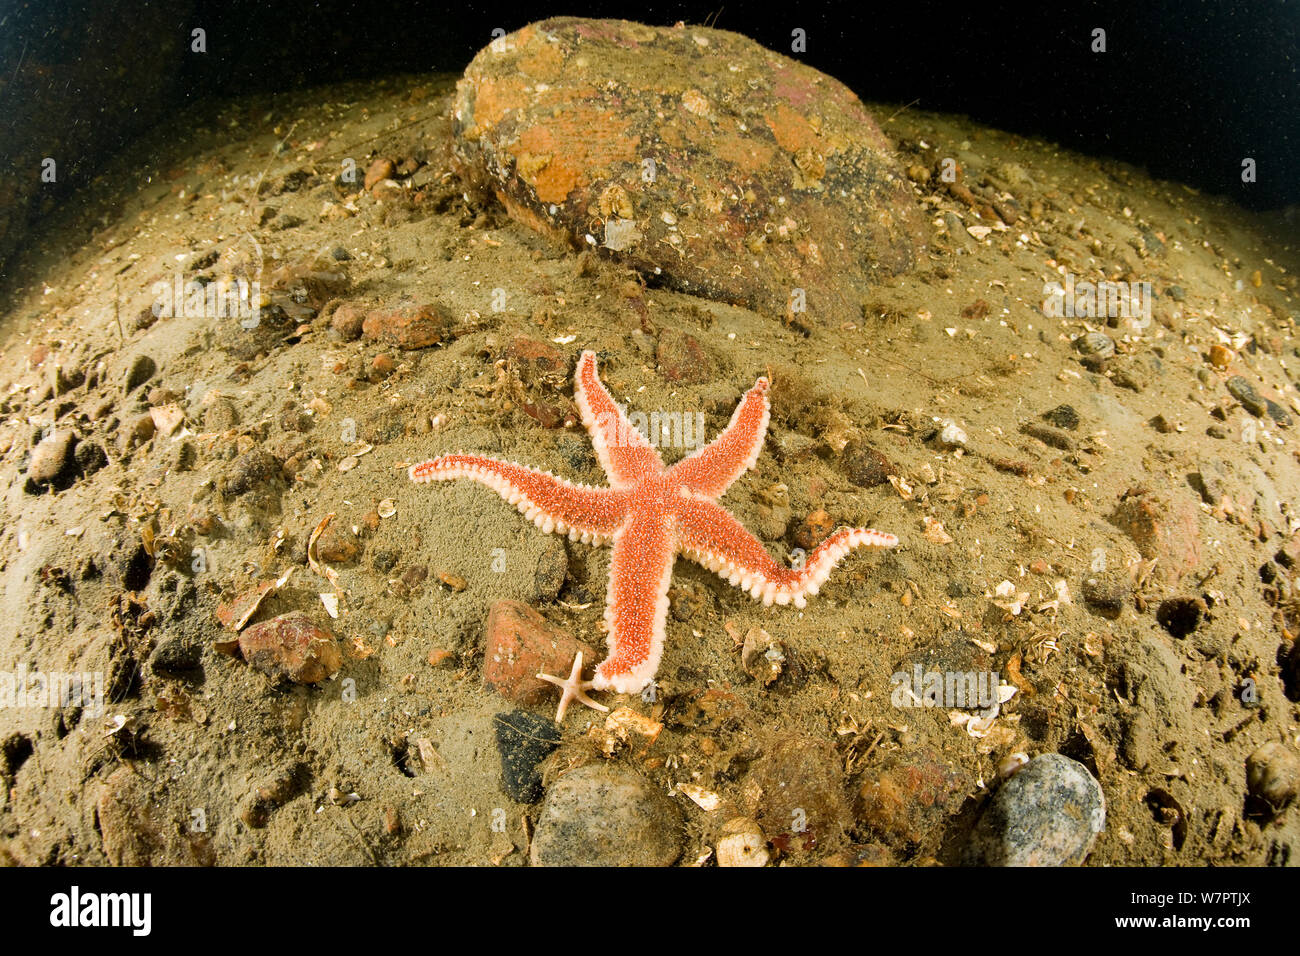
291 647
522 644
741 174
911 795
681 358
1166 529
410 326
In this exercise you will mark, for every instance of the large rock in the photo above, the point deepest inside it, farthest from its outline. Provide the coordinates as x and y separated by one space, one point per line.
692 154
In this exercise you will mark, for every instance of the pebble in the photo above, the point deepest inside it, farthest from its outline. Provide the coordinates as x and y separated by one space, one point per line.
1048 435
552 568
1244 392
381 169
1220 356
348 319
557 117
519 645
524 740
911 794
534 360
1273 775
601 815
1107 593
1050 813
293 648
221 415
52 458
142 369
411 326
1062 416
1096 348
813 530
1166 527
250 470
866 466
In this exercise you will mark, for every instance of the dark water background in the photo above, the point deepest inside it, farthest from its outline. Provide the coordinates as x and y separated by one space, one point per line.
1187 88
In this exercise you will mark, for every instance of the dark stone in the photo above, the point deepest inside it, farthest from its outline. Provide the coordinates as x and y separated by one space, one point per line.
1062 416
524 740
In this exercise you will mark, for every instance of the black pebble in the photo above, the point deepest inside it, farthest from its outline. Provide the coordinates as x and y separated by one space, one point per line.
524 740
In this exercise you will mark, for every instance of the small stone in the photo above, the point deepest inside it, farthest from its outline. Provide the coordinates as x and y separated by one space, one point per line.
813 530
1096 349
1048 435
866 466
221 415
347 320
410 327
90 457
142 369
742 844
1062 416
1244 392
1164 527
337 545
291 647
681 358
552 567
520 644
524 740
52 458
601 815
1177 293
1107 593
1050 813
250 470
1277 412
381 169
1273 776
762 656
534 360
911 794
1221 356
381 366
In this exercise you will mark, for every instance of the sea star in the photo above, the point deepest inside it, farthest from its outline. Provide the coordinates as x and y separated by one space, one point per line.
651 514
572 688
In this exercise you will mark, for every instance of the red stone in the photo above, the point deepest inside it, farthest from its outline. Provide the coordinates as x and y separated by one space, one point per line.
520 645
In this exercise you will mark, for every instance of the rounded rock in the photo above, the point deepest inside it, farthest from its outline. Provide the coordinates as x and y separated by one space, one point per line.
1049 814
606 816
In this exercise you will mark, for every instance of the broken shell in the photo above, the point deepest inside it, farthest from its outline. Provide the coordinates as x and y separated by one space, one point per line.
704 799
387 508
742 844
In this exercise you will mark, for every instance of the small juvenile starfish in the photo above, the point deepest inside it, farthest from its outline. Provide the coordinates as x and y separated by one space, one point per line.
572 688
651 514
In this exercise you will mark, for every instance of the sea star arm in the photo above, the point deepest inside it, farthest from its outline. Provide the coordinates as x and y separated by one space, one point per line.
637 608
710 536
624 453
553 504
711 470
